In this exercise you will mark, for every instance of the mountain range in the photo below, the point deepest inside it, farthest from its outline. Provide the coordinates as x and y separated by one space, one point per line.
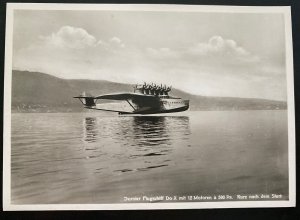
40 92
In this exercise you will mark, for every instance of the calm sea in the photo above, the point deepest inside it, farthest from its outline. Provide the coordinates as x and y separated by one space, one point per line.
101 158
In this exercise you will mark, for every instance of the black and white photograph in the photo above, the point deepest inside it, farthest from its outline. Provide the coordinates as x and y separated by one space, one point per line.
148 107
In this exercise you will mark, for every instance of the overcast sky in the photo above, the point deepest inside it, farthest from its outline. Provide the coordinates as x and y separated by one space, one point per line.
215 54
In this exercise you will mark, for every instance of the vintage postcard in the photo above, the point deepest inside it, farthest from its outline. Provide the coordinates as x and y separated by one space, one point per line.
148 107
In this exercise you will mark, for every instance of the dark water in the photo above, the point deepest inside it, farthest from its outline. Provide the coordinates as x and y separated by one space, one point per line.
100 158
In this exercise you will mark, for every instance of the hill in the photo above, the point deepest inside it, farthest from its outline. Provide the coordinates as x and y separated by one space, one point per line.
39 92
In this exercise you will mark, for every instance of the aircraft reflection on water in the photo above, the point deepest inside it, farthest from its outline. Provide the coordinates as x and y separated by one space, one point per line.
90 132
139 131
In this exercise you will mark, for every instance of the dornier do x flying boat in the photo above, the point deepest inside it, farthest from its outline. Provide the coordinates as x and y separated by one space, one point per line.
145 99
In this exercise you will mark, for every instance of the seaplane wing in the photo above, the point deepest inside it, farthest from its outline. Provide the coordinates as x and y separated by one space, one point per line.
126 96
136 102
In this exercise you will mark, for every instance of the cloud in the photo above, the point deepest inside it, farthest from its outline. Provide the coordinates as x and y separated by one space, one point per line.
116 42
70 52
162 53
216 50
220 47
71 37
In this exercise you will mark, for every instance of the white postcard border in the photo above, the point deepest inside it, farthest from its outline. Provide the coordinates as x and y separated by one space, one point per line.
285 10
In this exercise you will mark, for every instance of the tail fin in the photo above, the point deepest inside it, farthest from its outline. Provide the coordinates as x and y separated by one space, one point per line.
86 99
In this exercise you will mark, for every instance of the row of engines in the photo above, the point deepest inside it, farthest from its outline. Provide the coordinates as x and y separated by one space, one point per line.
152 89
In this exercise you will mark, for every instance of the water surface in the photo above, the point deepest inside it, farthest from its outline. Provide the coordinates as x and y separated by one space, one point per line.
101 158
